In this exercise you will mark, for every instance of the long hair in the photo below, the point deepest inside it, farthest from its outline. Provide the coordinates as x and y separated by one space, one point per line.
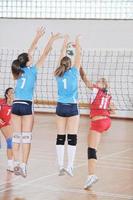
16 69
65 64
23 59
6 92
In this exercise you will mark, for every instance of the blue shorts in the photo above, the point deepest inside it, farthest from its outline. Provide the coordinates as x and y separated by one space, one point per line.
22 107
67 109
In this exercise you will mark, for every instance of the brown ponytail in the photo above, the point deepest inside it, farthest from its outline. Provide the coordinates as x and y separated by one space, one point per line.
16 69
65 64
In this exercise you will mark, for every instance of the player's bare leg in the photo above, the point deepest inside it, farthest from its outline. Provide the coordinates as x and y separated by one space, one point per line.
60 142
94 138
27 126
7 132
72 129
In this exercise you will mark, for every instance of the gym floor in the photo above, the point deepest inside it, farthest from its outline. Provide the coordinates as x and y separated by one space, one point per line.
114 166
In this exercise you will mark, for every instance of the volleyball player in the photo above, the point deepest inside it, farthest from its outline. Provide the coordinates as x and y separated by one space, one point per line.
67 113
25 74
101 106
5 124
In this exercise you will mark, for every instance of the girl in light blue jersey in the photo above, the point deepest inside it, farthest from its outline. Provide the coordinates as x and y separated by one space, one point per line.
67 76
25 74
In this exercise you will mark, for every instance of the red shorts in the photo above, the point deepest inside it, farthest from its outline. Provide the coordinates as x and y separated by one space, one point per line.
100 125
4 124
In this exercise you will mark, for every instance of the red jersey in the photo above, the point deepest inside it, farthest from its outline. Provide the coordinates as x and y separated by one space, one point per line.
99 103
5 111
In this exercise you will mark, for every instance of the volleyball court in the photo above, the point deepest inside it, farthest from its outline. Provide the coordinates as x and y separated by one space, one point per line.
115 162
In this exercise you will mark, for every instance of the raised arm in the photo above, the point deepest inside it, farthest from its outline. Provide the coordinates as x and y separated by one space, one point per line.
40 32
47 49
77 60
87 82
112 108
64 48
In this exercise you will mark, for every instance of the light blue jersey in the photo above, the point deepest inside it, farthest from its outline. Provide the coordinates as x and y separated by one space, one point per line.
68 86
26 83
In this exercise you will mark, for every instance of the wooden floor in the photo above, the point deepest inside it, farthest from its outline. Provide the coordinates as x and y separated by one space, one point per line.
114 167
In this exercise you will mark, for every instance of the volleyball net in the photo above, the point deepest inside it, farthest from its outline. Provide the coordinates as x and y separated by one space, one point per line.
114 65
70 9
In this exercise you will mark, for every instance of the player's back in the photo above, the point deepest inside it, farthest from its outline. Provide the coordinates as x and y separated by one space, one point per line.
68 86
25 84
5 110
99 103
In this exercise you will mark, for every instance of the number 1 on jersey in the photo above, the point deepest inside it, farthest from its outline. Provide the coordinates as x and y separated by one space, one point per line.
65 83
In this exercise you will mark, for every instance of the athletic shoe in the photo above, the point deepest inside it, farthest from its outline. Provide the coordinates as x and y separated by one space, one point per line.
90 181
10 168
69 171
23 172
61 172
17 170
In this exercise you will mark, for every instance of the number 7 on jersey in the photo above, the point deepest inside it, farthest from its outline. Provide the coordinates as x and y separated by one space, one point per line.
23 82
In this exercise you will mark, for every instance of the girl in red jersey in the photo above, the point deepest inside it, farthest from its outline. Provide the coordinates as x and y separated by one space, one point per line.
5 126
101 107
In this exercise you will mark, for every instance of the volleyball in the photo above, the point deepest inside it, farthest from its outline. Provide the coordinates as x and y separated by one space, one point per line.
70 51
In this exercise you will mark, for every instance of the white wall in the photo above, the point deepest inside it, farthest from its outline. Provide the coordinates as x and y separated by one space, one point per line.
18 33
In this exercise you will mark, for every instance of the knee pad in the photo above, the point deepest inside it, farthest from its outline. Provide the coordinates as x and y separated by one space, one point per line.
16 138
60 140
26 137
9 143
92 153
72 139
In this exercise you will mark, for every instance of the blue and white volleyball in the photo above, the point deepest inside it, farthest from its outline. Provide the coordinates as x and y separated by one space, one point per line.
70 51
